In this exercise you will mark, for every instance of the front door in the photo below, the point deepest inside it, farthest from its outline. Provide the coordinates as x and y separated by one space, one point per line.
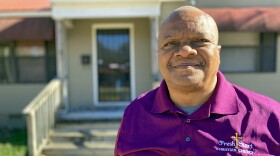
112 65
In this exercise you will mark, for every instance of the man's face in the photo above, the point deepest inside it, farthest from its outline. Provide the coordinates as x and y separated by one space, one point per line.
188 53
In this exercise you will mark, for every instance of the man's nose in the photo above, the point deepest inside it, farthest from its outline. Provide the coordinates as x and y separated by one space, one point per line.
185 51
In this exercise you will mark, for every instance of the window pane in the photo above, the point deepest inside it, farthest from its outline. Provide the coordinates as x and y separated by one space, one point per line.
51 60
7 68
239 59
113 65
268 38
31 69
31 65
268 58
268 52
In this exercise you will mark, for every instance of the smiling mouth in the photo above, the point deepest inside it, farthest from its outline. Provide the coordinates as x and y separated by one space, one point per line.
186 66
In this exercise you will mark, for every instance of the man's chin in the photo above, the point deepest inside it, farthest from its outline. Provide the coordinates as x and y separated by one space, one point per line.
187 68
188 80
187 73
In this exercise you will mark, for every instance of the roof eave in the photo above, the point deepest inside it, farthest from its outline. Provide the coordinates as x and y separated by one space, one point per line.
26 14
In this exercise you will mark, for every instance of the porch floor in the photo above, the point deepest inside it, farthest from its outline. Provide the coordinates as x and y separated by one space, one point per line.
96 115
82 139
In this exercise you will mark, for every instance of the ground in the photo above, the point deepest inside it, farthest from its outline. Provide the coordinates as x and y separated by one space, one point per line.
13 142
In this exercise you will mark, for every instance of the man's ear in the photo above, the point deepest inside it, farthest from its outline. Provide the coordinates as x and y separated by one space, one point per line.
219 47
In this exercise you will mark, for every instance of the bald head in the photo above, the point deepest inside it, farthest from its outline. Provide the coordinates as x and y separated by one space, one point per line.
194 18
189 54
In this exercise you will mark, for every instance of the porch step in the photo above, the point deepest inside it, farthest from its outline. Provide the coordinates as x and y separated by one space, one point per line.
82 139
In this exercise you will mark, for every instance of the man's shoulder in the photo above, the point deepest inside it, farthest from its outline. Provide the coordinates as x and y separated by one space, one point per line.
256 99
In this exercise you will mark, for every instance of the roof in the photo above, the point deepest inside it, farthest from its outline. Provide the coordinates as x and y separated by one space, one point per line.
13 29
246 19
24 5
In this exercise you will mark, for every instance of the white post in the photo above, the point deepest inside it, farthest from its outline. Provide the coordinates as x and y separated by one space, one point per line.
59 48
32 134
61 59
154 24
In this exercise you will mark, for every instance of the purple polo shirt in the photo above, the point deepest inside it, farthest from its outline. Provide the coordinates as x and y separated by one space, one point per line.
234 121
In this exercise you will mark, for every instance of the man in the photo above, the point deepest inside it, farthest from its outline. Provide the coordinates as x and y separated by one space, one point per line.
195 110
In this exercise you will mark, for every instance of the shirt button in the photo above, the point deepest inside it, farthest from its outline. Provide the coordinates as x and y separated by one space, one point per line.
188 120
188 139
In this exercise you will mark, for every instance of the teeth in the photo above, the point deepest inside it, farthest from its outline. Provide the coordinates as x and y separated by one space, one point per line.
182 66
187 65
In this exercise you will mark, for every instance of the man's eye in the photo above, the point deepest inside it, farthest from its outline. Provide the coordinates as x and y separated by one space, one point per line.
169 44
201 40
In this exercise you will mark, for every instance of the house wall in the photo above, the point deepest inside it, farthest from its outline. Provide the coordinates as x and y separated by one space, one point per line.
81 76
13 98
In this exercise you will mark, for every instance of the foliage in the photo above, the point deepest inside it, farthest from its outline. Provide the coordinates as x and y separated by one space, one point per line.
13 142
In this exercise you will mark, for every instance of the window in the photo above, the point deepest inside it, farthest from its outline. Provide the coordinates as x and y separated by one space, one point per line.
27 62
250 57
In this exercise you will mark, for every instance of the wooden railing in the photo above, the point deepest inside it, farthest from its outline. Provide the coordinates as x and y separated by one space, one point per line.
40 116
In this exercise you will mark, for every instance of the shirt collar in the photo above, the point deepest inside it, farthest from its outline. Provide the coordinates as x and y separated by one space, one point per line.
223 101
162 101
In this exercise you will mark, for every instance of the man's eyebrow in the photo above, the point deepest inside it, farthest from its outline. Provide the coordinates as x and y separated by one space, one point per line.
168 36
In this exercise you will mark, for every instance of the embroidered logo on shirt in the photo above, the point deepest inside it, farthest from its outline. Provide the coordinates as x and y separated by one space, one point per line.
236 138
236 145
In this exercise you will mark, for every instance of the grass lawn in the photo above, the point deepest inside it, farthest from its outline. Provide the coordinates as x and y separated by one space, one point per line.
13 142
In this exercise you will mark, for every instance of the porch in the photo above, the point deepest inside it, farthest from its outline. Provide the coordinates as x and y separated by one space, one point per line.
53 131
73 114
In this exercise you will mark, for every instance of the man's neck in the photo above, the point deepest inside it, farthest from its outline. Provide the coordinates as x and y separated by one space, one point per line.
188 97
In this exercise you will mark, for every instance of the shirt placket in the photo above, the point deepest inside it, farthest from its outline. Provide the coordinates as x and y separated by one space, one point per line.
186 139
